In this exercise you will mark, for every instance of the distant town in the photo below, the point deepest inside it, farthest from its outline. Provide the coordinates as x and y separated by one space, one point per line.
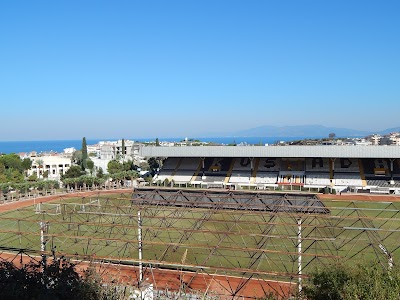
56 164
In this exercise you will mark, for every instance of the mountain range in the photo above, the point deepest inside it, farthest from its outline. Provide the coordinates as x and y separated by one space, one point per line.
312 131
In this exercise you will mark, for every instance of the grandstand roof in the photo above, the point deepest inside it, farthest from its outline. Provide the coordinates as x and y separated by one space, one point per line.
274 151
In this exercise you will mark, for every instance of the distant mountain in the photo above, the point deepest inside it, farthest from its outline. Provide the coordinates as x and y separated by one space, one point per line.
313 131
387 131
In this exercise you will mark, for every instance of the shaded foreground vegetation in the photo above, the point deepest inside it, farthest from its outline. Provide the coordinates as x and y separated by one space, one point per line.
367 282
58 280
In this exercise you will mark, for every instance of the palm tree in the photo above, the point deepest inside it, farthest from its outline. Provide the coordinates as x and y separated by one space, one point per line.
39 163
131 174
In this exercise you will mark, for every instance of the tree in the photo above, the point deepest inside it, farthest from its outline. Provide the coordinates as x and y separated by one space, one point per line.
144 166
123 149
90 165
58 280
332 135
153 164
366 281
84 153
73 172
157 142
114 166
11 161
128 165
77 157
26 163
328 283
100 173
132 175
33 177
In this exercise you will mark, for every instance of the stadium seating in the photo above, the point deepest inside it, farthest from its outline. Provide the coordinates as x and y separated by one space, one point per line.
317 164
189 164
266 177
183 176
318 179
215 170
383 182
164 174
283 171
347 179
241 171
317 172
344 165
269 165
170 163
377 172
242 164
186 169
240 177
295 177
292 164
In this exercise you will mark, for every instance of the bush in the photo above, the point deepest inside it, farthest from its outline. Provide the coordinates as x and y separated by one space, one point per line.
367 282
59 280
328 284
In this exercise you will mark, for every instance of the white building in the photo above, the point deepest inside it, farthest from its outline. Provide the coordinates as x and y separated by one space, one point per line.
100 163
362 142
391 139
375 139
93 149
69 151
56 165
113 150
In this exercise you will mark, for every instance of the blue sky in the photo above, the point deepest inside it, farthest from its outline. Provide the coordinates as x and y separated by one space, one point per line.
127 69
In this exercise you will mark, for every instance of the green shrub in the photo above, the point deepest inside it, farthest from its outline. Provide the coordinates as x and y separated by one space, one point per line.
367 282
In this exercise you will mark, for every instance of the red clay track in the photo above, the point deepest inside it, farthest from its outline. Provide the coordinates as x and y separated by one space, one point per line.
173 279
28 202
361 197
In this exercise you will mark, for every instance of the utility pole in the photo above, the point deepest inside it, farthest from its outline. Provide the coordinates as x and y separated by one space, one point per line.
140 253
44 226
299 239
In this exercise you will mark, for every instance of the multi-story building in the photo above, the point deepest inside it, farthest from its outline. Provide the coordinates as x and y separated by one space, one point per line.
391 139
55 165
375 139
113 150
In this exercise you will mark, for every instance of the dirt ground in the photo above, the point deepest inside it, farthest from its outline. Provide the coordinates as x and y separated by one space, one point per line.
173 280
361 197
28 202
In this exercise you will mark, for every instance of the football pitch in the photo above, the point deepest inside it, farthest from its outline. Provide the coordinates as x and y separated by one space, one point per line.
239 242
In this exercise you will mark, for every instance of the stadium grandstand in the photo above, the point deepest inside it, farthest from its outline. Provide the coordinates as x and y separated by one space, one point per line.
374 169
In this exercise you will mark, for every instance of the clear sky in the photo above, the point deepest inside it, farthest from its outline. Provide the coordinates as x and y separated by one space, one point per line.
127 69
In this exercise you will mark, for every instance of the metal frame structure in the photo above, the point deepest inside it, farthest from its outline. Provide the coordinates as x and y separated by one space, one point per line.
245 237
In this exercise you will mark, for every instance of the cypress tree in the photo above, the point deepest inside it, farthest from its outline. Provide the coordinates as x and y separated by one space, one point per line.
84 153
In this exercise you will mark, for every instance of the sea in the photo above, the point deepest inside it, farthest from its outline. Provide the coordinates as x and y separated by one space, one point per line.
58 146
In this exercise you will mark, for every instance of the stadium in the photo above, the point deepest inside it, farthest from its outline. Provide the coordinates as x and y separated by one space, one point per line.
227 222
360 168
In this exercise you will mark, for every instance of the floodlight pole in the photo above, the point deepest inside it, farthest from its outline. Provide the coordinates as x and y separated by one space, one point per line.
43 230
299 239
140 246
